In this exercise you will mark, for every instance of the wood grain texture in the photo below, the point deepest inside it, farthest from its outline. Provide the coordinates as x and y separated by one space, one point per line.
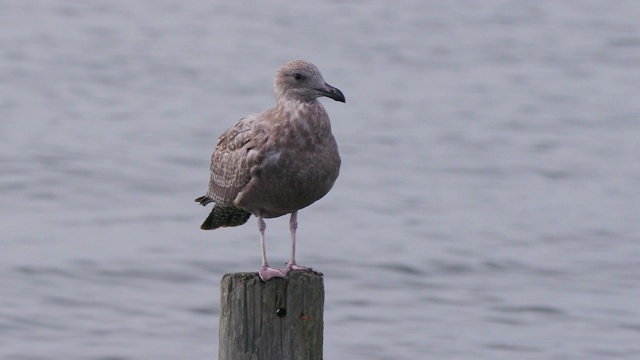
281 319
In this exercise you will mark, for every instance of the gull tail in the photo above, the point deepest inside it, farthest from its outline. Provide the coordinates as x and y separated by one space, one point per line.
222 216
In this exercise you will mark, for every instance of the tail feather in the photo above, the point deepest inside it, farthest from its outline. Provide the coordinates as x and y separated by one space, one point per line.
224 216
204 200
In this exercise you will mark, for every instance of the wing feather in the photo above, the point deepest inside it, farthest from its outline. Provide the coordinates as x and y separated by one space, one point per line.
230 161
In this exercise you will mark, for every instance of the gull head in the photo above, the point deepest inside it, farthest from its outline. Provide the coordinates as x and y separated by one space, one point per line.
301 80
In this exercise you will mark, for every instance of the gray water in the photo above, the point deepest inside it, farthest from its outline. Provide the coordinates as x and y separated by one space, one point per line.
488 205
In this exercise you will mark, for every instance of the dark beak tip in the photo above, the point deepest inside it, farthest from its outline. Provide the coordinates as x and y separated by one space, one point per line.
332 93
339 96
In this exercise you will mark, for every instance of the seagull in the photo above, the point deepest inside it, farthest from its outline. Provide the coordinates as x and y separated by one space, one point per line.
276 162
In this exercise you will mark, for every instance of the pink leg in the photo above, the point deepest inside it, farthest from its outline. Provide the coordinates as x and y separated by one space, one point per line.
266 272
293 226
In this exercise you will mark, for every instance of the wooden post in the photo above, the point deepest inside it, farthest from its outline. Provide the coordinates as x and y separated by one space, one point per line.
281 319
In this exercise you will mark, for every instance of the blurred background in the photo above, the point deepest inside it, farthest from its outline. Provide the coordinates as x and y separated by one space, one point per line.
488 205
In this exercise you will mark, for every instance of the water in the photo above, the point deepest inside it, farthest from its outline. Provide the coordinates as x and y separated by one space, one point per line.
488 205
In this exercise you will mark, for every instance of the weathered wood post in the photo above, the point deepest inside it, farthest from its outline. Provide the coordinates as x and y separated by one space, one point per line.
281 319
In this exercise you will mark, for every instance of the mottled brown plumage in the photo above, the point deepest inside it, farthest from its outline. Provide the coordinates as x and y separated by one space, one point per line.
276 162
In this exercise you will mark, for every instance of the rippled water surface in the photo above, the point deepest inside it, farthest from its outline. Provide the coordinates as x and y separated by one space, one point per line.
488 205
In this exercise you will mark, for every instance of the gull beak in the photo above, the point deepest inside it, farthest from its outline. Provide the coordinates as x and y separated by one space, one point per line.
332 93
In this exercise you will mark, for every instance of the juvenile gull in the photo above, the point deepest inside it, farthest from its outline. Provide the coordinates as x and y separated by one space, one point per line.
276 162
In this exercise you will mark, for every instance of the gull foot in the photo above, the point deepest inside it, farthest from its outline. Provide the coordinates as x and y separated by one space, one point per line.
296 267
267 273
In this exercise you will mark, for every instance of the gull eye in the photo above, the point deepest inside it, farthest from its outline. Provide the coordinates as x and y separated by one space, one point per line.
297 76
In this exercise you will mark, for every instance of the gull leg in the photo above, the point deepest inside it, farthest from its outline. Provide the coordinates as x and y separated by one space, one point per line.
266 272
293 226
